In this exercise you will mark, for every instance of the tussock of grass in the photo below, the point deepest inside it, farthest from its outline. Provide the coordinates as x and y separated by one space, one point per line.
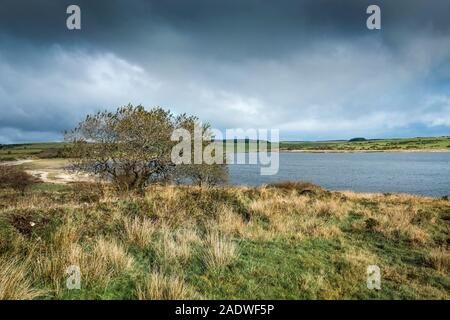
157 286
174 245
14 281
220 251
113 254
230 223
440 259
66 235
139 231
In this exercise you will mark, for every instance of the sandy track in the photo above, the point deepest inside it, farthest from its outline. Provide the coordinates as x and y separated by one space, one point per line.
60 176
14 163
52 174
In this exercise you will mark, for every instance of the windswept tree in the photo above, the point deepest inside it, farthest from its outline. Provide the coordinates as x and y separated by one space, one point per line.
130 147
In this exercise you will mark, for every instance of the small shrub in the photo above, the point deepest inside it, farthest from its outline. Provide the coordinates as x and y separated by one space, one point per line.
12 177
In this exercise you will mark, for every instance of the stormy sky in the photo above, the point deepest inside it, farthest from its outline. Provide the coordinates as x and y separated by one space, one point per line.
309 68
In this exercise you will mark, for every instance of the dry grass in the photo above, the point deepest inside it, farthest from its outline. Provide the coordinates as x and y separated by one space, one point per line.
330 208
280 205
139 231
187 234
14 281
175 245
440 259
157 286
295 216
66 235
229 222
395 221
220 251
113 254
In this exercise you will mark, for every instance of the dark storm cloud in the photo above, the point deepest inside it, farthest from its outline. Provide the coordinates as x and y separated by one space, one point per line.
233 27
311 68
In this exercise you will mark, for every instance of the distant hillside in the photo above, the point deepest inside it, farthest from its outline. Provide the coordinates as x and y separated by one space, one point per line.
10 152
358 144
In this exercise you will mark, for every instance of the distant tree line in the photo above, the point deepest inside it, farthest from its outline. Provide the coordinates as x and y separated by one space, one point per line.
358 139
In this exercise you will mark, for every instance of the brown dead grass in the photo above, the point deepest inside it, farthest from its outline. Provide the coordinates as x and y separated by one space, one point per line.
113 254
220 251
440 259
396 221
15 283
158 286
138 231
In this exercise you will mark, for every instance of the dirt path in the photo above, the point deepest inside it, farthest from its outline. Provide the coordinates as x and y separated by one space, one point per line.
60 176
14 163
49 171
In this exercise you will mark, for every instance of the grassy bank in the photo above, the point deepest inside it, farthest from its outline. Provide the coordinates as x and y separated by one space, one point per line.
404 144
292 241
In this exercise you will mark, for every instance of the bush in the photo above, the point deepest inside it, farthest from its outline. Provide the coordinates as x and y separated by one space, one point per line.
15 178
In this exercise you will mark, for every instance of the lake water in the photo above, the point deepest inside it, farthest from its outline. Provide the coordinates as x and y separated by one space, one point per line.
423 173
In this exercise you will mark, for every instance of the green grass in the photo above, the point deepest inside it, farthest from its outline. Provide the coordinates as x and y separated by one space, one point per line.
26 151
49 187
403 144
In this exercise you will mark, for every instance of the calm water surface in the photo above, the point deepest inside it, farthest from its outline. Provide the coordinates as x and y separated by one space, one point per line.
425 173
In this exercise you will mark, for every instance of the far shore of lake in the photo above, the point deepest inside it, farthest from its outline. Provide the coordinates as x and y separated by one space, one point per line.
364 151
